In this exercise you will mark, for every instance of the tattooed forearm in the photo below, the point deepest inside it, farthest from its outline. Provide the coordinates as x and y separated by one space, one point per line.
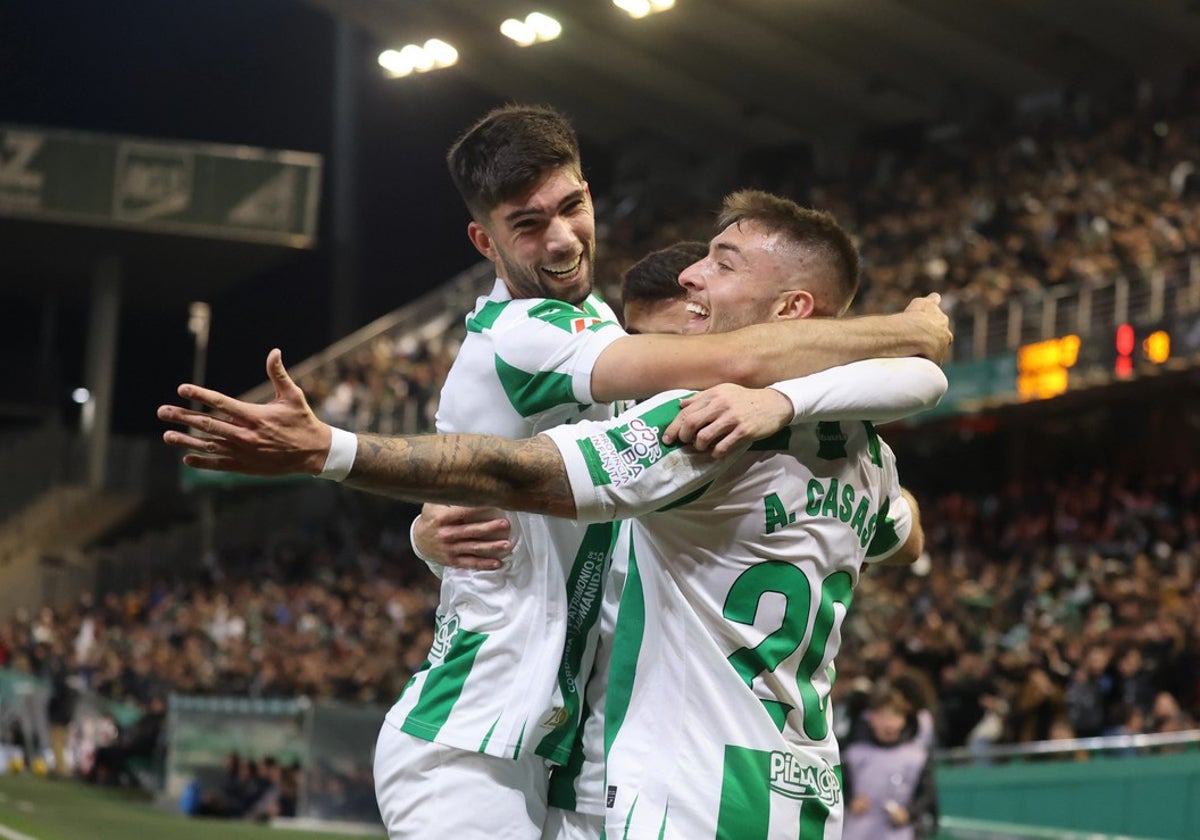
524 475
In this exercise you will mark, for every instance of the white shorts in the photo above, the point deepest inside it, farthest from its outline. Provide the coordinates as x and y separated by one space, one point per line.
427 791
572 825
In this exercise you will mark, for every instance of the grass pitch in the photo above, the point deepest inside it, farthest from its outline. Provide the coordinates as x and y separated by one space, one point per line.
44 809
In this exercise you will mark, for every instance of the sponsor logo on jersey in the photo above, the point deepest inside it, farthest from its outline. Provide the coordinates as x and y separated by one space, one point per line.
445 628
580 324
795 779
611 798
626 459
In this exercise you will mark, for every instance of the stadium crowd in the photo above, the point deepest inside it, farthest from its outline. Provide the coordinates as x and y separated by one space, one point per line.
1054 609
1076 194
1051 609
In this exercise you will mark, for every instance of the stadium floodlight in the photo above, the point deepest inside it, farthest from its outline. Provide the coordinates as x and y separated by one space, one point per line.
80 396
519 31
442 54
418 59
546 27
633 8
641 8
535 28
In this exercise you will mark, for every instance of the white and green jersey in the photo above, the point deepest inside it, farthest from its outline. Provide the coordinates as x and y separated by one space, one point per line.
740 572
513 647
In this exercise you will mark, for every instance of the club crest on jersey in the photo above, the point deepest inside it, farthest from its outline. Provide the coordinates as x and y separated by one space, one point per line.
797 780
580 324
445 628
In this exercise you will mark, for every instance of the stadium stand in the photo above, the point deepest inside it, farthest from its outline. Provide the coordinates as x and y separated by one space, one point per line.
1060 597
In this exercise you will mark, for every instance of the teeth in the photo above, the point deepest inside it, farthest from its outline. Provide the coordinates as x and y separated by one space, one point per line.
563 272
697 309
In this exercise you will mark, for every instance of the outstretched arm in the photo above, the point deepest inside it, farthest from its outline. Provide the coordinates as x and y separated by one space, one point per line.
879 390
284 437
757 356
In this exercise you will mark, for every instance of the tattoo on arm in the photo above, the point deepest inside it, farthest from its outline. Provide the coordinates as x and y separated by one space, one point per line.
527 475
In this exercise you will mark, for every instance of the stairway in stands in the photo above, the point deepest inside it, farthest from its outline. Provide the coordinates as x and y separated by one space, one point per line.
41 545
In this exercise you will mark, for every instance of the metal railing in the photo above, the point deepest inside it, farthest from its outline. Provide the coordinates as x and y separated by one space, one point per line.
428 315
1080 309
1110 743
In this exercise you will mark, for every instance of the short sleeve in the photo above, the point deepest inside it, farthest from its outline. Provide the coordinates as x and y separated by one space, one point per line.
545 351
895 516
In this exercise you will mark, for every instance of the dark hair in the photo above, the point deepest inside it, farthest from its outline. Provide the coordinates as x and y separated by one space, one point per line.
656 276
507 152
814 230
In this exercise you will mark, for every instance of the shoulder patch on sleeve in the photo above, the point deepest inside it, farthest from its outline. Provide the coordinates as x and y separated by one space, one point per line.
566 317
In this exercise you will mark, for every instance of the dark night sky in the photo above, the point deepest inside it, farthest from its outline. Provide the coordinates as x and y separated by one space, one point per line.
258 72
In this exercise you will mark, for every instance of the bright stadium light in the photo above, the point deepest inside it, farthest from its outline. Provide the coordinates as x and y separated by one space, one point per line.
546 27
536 27
519 31
633 8
414 59
641 8
442 54
81 395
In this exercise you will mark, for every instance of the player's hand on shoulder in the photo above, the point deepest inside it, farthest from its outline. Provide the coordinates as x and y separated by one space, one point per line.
719 419
463 537
933 324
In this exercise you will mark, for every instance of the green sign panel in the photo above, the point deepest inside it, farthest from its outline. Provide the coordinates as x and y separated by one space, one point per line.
197 189
977 384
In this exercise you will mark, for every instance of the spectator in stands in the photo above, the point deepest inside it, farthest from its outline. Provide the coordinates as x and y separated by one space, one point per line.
888 778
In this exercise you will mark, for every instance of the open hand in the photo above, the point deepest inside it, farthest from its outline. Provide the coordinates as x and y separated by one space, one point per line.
282 437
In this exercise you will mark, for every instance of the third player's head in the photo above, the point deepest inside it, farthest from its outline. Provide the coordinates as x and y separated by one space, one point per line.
771 260
652 299
518 171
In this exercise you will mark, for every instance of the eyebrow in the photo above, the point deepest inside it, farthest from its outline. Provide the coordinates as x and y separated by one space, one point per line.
522 212
730 249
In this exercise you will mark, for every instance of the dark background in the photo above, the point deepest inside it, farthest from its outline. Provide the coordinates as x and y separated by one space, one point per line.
256 72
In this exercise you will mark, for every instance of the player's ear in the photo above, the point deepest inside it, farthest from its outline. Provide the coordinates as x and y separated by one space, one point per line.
482 240
796 303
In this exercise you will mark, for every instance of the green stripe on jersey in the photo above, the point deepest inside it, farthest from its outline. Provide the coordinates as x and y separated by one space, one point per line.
688 499
626 645
488 737
520 740
443 686
885 538
745 812
531 393
873 448
814 814
486 317
564 777
585 591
